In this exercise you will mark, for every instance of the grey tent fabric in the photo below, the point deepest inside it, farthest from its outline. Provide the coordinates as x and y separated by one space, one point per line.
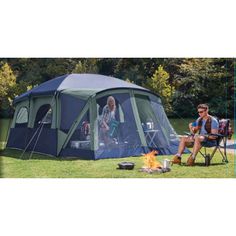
77 81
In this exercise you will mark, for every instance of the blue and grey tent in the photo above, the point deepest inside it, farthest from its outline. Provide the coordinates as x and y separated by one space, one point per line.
62 117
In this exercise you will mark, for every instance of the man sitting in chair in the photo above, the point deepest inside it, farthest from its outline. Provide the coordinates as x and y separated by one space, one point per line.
205 125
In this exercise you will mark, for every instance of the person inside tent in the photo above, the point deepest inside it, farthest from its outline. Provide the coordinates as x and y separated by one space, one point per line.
205 125
108 122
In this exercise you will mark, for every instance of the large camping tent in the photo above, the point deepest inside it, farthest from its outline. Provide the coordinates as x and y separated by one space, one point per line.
62 117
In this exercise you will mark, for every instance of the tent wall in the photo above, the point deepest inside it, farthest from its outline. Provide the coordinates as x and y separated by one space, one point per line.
70 108
36 103
41 138
65 142
18 134
161 136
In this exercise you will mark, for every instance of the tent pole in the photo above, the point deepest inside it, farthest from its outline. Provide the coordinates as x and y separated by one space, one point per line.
39 128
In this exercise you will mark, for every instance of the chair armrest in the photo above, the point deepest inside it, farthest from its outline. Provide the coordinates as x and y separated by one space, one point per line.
216 135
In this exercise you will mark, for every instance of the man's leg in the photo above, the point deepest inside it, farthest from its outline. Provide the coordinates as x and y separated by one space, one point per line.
196 147
184 141
182 144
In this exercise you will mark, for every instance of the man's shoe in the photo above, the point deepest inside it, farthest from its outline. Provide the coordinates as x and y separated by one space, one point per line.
190 161
176 160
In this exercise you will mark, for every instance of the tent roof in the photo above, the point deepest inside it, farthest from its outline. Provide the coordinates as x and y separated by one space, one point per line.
78 82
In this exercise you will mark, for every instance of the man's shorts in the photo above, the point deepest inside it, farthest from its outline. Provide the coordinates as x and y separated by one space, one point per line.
209 143
205 143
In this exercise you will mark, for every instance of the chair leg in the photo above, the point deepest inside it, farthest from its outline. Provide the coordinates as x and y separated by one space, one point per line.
224 155
202 154
225 152
206 156
214 151
207 160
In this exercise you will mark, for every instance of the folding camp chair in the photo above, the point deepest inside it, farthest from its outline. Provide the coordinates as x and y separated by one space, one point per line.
217 146
225 132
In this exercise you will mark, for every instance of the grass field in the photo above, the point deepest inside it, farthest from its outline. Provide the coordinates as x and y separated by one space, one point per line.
44 167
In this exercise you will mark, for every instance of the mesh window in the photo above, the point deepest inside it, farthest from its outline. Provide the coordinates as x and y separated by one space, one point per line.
70 109
156 127
22 117
81 138
159 110
116 124
44 116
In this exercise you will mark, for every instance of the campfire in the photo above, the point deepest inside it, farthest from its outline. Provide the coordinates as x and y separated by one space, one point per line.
151 164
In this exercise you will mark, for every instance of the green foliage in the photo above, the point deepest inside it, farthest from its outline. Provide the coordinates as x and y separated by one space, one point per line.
7 83
7 80
19 88
203 81
159 83
86 66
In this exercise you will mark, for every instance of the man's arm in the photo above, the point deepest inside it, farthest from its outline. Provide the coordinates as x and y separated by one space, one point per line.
192 129
213 131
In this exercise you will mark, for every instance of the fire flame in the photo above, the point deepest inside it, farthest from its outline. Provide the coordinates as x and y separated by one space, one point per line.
150 160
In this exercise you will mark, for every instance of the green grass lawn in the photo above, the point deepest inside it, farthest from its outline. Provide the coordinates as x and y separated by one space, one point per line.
44 167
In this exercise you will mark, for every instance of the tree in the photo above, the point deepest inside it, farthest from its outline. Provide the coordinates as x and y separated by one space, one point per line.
159 84
136 69
86 66
7 80
7 83
203 80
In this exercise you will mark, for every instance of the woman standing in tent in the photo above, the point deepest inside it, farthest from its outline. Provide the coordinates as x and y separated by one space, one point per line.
108 116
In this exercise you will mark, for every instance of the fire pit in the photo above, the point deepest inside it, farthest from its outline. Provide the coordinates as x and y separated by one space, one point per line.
151 165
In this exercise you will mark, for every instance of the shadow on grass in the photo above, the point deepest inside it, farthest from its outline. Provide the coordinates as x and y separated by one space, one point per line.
16 154
203 164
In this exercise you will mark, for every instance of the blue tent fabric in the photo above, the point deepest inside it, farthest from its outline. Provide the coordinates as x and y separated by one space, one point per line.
49 87
77 81
69 113
18 137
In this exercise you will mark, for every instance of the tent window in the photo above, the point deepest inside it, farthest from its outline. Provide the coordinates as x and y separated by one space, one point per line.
22 117
44 116
81 136
116 124
155 130
70 109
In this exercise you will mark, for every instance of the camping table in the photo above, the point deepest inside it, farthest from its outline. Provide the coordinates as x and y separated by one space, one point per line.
150 136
